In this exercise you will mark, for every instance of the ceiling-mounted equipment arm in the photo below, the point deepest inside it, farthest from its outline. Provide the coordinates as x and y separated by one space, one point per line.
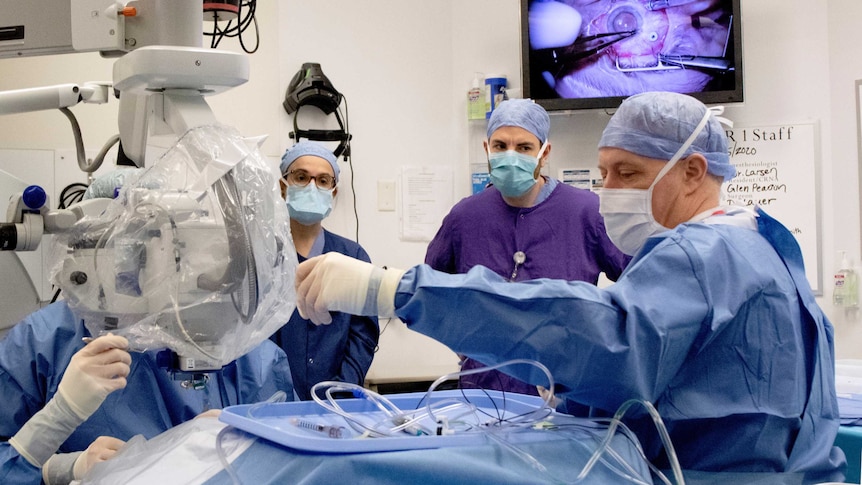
162 91
52 97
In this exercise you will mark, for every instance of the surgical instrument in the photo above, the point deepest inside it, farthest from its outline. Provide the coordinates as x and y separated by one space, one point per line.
663 4
698 62
582 48
331 431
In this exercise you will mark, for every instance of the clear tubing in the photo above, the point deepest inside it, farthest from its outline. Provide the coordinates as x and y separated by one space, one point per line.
615 422
409 421
529 418
621 467
405 420
331 404
222 456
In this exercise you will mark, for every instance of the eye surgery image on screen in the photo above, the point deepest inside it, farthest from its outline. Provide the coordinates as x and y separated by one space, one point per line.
593 53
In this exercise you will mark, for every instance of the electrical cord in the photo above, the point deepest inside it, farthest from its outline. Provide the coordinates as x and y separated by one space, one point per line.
81 154
237 30
348 157
524 419
385 326
71 194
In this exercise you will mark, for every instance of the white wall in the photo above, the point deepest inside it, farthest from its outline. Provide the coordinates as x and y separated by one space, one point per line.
841 160
405 67
392 60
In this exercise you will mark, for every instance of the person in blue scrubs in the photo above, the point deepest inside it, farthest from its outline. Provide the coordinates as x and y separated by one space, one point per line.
36 352
713 321
344 350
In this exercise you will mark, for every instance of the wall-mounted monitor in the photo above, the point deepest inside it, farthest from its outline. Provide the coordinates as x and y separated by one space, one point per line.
587 54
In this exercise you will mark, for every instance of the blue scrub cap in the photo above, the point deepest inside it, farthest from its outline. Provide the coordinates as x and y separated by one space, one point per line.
303 148
523 113
107 185
656 124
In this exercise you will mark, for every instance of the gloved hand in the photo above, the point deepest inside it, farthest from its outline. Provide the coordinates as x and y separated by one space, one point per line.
335 282
95 371
63 468
546 393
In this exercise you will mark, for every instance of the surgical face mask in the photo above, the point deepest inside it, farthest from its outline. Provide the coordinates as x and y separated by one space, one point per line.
628 215
514 173
308 204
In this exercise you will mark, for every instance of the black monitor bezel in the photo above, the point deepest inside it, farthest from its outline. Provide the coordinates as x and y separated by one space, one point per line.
556 103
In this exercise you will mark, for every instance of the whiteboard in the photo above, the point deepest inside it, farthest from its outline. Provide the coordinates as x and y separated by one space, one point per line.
778 169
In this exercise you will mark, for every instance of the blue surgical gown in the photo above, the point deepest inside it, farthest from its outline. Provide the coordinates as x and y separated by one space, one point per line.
35 352
713 323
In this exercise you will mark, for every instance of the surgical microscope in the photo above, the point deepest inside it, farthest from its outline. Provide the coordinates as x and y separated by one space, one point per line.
161 76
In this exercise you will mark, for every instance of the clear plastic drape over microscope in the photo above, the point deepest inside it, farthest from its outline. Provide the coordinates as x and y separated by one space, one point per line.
195 255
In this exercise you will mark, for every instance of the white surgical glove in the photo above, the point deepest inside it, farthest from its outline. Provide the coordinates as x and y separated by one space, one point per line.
63 468
546 393
94 372
338 283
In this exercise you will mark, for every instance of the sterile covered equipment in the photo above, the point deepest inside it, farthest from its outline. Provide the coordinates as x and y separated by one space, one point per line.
194 255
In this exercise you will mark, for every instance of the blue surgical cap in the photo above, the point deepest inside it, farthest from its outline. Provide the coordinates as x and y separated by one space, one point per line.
523 113
303 148
656 124
106 186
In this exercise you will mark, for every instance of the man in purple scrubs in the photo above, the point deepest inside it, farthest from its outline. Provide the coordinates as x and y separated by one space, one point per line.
524 225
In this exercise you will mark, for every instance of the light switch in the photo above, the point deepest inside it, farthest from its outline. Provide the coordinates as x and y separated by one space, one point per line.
386 195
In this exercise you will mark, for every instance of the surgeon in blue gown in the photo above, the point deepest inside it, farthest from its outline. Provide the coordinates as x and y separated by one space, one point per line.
34 355
713 320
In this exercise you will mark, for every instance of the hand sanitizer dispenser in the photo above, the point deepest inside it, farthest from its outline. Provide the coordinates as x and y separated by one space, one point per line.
845 292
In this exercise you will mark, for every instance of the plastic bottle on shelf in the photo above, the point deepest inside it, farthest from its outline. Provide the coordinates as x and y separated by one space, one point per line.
495 92
845 292
476 99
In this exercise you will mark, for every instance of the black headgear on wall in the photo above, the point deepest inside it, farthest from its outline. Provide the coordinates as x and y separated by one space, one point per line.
310 87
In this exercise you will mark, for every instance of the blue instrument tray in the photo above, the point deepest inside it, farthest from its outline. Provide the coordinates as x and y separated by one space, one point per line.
277 422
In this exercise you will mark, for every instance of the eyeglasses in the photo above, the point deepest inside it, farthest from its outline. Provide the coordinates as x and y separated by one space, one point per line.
303 178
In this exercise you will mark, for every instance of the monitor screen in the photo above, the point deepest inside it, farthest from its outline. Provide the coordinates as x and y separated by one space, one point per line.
584 54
